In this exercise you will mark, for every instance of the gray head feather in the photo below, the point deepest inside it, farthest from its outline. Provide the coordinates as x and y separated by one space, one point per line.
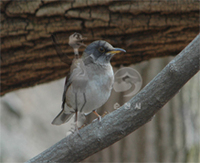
99 52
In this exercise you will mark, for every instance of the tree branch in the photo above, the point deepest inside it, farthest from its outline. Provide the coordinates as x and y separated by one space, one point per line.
121 122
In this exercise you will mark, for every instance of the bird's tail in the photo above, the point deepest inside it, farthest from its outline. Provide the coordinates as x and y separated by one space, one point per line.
61 118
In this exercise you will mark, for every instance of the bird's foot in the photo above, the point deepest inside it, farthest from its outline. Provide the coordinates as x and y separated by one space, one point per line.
99 117
76 131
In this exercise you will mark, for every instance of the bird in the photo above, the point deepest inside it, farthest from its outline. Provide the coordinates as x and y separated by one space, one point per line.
89 82
76 41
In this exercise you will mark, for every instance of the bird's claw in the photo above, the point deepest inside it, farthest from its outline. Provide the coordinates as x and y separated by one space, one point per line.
99 120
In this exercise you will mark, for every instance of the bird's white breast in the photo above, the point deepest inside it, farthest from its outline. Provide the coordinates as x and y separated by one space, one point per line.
98 88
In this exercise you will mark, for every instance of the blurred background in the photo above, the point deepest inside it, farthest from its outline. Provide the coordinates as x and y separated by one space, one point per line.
32 75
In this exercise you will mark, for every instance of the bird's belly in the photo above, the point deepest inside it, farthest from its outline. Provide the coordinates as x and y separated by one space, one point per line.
96 97
96 94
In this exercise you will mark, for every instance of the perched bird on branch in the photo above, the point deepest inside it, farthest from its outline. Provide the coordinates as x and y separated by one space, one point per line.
89 83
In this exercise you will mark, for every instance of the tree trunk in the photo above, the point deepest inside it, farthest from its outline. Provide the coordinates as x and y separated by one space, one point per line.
144 29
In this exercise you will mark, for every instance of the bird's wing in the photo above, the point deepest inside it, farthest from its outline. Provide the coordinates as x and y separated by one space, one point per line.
77 77
68 82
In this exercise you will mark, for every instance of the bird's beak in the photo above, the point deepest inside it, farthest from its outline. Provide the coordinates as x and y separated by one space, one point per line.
115 51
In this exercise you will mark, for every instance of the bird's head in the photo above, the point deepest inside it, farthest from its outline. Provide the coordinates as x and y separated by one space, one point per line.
100 52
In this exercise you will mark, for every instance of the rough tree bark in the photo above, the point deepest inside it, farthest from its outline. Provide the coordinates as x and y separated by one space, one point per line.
145 29
153 97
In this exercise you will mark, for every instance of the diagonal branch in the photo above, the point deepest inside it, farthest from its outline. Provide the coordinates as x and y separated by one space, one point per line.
123 121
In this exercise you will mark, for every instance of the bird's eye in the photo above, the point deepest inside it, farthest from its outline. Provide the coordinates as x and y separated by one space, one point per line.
101 49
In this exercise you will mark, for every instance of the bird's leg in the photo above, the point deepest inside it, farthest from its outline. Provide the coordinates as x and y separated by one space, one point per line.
76 114
84 102
99 117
